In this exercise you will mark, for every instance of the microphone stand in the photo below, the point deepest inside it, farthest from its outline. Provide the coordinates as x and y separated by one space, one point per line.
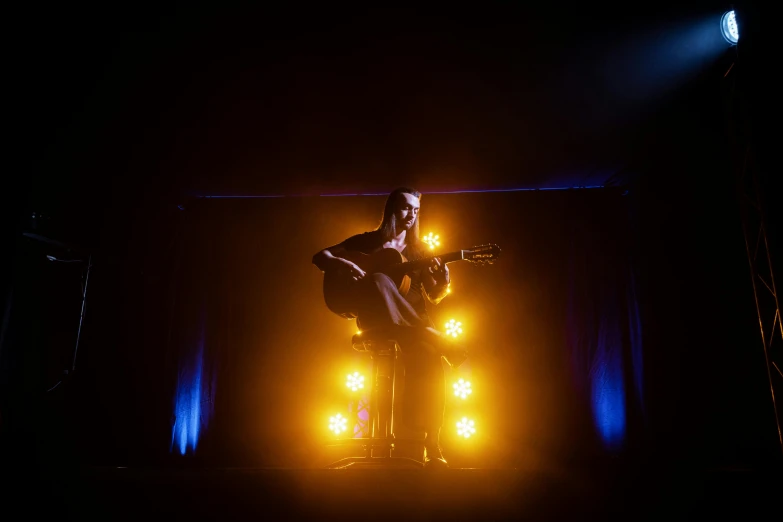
81 314
66 373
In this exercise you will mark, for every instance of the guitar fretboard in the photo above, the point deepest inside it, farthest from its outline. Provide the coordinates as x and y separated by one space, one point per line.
449 257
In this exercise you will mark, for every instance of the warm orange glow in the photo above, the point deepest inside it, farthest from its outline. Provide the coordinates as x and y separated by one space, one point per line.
433 240
338 424
466 427
453 328
355 381
462 388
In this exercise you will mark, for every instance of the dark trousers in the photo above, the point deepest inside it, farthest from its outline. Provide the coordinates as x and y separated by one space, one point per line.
381 306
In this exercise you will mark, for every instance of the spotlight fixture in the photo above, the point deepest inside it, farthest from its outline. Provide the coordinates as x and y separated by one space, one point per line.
728 27
355 381
465 428
338 424
432 240
462 388
453 328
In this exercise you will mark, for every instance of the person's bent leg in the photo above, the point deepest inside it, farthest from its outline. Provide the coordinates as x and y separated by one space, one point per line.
381 304
414 411
382 307
435 404
426 396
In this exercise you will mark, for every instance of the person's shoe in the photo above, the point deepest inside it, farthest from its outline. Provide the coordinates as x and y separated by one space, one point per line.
433 459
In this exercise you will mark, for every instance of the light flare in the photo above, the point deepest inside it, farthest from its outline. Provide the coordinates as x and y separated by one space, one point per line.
355 381
433 240
338 424
462 389
466 427
453 328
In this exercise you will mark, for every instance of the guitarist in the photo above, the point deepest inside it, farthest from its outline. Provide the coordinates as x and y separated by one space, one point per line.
381 306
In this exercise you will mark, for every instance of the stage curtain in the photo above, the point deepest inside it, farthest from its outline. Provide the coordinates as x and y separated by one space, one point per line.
604 327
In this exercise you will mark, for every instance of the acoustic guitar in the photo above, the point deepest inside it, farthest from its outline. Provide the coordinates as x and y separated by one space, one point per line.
391 262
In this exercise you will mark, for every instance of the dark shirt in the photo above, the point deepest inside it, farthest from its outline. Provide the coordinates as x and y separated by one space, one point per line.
370 242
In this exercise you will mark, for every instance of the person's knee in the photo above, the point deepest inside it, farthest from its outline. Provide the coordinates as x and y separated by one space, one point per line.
374 288
381 282
377 288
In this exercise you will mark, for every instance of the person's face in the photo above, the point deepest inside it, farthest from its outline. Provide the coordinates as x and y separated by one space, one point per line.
407 211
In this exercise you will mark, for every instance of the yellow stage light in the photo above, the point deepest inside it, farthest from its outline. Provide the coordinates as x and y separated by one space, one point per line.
448 288
355 381
338 424
462 388
453 328
465 427
432 240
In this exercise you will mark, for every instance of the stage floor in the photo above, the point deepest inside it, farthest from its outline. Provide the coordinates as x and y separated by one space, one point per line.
454 494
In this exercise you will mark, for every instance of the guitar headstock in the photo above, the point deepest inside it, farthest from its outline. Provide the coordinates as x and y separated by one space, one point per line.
483 254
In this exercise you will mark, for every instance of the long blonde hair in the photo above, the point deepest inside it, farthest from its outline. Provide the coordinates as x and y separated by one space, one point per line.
388 226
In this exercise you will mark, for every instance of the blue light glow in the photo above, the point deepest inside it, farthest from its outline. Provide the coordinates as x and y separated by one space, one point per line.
728 26
639 74
608 400
600 341
190 415
349 194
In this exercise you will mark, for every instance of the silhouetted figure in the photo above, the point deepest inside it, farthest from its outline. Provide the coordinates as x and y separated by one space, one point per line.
397 304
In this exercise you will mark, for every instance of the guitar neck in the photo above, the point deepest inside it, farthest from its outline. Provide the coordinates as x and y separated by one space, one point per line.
449 257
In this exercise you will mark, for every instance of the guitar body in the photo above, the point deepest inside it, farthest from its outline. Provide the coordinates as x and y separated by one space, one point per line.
338 285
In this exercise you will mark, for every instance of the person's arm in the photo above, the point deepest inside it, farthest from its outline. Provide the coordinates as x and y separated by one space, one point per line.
436 281
329 259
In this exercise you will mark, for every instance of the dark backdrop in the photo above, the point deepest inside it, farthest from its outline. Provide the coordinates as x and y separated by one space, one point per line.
706 391
235 276
280 354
